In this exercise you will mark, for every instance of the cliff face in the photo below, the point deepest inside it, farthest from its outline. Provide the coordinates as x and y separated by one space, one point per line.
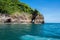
21 18
12 12
39 19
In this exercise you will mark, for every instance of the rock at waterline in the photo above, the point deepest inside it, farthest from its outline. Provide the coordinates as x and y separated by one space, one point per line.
22 18
8 21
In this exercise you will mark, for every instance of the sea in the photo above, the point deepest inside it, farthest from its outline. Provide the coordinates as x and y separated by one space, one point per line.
46 31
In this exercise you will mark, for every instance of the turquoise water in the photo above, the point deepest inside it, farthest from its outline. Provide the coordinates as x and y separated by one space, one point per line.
47 31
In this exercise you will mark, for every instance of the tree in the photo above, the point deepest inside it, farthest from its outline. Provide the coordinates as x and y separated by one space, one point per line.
11 6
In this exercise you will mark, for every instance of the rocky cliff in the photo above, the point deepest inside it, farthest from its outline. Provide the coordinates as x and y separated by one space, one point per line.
14 11
22 18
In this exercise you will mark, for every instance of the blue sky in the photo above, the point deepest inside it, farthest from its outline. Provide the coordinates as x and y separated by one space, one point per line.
50 9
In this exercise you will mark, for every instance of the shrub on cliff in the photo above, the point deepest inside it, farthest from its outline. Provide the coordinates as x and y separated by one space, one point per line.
11 6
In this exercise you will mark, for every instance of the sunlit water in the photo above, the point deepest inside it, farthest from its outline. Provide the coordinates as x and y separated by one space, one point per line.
47 31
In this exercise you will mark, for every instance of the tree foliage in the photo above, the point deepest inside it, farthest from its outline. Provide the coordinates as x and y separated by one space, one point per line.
11 6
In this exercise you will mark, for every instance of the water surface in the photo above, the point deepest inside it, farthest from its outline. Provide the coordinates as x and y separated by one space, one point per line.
47 31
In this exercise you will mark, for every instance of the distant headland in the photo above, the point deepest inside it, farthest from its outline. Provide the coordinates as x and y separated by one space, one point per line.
14 11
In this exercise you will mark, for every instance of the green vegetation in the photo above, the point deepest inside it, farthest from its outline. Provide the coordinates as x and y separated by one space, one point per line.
11 6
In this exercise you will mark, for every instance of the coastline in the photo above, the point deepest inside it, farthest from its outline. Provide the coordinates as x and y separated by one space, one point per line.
21 19
20 23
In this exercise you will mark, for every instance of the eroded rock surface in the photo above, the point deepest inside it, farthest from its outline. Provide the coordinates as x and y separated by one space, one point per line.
22 18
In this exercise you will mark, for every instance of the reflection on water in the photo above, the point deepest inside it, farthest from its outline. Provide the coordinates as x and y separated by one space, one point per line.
13 31
30 31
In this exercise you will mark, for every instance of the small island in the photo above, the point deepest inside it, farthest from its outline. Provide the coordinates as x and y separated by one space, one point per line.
14 11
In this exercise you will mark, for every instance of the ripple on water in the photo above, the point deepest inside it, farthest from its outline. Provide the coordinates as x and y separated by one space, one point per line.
30 37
